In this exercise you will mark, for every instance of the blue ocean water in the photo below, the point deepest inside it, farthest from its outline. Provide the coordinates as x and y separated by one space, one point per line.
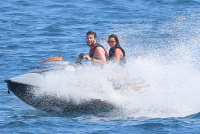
161 39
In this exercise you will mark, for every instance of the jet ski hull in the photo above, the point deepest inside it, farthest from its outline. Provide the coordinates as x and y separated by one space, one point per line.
52 103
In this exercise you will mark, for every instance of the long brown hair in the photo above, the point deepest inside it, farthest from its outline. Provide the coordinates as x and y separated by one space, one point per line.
116 39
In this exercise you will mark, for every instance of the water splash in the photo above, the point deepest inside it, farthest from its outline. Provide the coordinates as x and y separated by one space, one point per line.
174 90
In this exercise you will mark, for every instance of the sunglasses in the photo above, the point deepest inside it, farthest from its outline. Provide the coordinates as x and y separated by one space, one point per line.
111 42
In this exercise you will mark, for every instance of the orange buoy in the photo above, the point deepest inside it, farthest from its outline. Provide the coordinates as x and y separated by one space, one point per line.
59 58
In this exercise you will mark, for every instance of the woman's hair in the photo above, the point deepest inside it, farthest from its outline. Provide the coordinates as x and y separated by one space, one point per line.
116 39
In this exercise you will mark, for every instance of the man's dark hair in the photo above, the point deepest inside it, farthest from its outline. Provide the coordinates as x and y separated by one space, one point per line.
91 32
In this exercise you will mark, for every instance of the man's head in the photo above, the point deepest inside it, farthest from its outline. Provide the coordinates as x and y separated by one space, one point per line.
91 38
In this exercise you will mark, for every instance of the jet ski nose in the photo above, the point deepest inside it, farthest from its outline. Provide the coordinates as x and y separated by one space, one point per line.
8 81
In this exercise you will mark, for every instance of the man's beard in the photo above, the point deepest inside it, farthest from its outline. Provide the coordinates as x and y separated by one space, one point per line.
92 44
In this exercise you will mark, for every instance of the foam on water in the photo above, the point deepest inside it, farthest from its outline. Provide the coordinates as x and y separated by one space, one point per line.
174 90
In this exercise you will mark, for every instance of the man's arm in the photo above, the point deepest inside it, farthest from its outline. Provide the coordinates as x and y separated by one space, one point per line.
100 54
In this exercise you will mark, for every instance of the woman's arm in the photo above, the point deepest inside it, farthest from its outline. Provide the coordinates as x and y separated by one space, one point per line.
118 55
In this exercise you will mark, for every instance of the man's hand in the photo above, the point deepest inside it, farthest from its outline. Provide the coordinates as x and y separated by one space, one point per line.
84 56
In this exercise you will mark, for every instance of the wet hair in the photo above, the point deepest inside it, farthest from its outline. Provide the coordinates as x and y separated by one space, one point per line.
91 32
116 39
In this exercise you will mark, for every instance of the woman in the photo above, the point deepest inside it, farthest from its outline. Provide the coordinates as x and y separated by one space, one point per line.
116 53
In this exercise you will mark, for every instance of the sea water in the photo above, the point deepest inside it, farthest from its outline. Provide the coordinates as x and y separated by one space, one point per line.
161 40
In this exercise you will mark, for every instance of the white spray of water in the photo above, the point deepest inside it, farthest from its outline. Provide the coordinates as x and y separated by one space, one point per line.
82 84
174 90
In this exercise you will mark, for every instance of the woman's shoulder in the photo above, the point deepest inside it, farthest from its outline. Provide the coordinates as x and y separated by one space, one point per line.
118 50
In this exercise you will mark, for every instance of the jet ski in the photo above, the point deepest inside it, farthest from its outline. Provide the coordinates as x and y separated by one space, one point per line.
25 89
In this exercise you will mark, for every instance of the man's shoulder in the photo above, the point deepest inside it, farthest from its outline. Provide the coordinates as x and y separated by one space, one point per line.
99 48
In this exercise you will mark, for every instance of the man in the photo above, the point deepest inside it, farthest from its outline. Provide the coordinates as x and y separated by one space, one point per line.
98 54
